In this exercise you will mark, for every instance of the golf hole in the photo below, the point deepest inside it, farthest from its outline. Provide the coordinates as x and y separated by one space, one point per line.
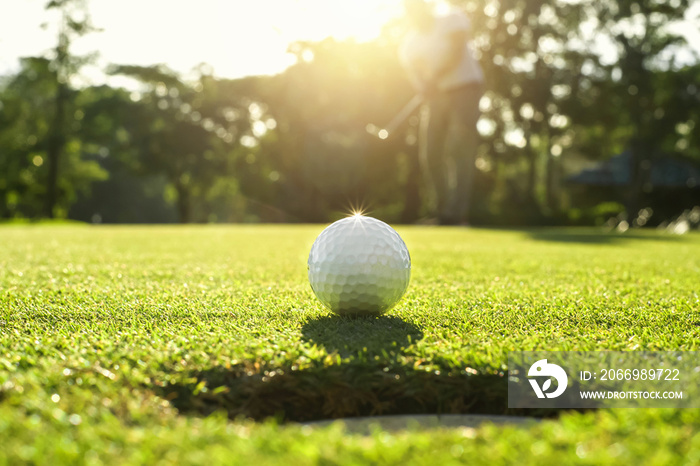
365 425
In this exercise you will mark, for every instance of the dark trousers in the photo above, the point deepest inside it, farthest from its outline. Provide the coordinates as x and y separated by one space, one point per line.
449 140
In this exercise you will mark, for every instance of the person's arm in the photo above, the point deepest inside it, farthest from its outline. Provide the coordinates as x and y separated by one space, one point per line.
415 77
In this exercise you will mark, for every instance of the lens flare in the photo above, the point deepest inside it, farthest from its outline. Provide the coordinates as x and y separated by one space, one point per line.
356 209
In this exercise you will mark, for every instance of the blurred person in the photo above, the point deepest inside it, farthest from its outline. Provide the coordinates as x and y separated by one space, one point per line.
438 59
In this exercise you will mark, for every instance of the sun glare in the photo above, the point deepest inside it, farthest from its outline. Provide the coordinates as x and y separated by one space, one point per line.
271 25
237 38
357 211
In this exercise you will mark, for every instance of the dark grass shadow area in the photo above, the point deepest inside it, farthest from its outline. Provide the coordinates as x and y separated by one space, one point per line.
373 380
358 388
593 236
357 335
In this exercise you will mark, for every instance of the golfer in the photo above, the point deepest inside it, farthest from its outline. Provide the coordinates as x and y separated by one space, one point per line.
440 65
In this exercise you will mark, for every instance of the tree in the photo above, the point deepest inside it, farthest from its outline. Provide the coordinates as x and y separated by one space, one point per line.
75 22
187 131
320 107
26 133
564 77
639 34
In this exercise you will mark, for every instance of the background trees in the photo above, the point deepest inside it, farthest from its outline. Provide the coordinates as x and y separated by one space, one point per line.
42 169
568 83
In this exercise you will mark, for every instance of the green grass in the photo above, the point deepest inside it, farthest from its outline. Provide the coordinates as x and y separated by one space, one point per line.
199 344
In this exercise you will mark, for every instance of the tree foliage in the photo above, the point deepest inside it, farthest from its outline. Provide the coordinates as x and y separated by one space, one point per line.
567 82
27 137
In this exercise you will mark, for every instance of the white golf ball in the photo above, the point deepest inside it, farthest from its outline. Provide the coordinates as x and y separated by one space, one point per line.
359 265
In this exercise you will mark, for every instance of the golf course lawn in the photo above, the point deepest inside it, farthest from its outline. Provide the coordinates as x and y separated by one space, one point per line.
204 344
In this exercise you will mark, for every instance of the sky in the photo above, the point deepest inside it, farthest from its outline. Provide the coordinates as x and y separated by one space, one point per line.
237 37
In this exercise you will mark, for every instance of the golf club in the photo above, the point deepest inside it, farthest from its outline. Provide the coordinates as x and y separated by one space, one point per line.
406 111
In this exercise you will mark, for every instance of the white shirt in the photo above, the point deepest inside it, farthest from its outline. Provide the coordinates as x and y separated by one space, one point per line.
429 49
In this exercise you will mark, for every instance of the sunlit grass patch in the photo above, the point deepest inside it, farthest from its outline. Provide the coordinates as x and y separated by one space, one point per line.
134 343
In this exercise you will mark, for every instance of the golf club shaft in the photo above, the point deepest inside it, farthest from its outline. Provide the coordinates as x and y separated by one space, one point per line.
405 112
400 117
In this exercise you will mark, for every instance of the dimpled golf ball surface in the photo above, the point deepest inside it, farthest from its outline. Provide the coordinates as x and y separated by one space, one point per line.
359 265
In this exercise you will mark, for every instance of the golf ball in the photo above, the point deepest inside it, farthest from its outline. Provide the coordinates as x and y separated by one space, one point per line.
359 265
